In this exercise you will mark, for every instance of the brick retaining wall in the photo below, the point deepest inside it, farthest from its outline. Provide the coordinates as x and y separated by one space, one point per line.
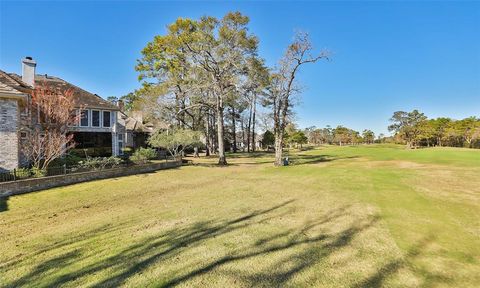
35 184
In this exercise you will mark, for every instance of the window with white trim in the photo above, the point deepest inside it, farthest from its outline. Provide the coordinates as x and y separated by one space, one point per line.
107 121
95 118
84 118
120 144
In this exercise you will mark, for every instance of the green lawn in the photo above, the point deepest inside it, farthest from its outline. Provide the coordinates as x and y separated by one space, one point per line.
367 216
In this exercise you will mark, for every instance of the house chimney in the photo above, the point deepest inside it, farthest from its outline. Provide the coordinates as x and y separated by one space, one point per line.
28 71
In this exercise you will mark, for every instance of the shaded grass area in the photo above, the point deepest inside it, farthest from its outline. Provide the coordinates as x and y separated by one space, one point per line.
368 216
3 204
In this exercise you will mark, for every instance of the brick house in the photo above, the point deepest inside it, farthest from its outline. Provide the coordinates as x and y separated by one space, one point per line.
12 102
99 128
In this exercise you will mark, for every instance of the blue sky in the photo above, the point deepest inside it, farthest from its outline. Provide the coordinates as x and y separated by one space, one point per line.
387 56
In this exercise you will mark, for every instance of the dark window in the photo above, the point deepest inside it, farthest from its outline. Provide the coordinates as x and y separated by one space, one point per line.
106 119
84 118
93 144
95 118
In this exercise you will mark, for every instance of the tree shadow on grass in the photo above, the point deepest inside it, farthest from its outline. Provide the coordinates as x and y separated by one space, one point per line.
318 247
262 158
101 231
139 255
388 270
234 164
3 204
302 159
304 246
236 159
256 154
43 269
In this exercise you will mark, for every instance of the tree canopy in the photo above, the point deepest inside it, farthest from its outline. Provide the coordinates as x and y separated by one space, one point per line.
175 141
196 70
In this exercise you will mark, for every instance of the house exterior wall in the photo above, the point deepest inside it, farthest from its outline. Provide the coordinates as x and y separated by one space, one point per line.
117 126
14 119
9 117
23 126
121 137
129 139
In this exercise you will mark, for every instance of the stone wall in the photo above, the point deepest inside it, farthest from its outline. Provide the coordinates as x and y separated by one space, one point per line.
8 134
36 184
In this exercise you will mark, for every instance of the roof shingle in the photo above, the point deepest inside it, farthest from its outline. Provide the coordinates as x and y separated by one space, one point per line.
81 98
9 85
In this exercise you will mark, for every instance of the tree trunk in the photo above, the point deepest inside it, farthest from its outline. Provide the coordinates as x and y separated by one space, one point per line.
253 121
248 129
243 134
207 135
213 136
409 145
278 148
207 145
195 152
222 160
234 131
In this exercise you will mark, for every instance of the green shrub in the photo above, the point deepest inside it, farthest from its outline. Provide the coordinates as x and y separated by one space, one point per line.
127 151
91 152
142 155
69 160
99 163
22 173
37 172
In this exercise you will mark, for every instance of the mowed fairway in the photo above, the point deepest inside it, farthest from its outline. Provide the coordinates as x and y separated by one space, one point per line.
367 216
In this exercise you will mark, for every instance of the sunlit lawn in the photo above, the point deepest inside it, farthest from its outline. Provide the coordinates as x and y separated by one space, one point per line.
364 216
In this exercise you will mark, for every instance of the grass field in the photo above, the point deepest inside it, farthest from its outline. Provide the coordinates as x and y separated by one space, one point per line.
367 216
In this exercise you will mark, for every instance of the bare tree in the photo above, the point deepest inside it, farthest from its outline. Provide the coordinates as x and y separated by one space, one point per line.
283 86
47 138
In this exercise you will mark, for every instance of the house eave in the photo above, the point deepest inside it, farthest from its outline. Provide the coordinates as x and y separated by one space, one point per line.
98 108
15 96
90 129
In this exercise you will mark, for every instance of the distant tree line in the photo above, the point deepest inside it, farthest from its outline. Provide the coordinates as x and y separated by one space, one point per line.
415 130
343 136
337 136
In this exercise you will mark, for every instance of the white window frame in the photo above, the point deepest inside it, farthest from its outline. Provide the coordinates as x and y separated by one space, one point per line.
88 118
120 150
100 118
110 113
